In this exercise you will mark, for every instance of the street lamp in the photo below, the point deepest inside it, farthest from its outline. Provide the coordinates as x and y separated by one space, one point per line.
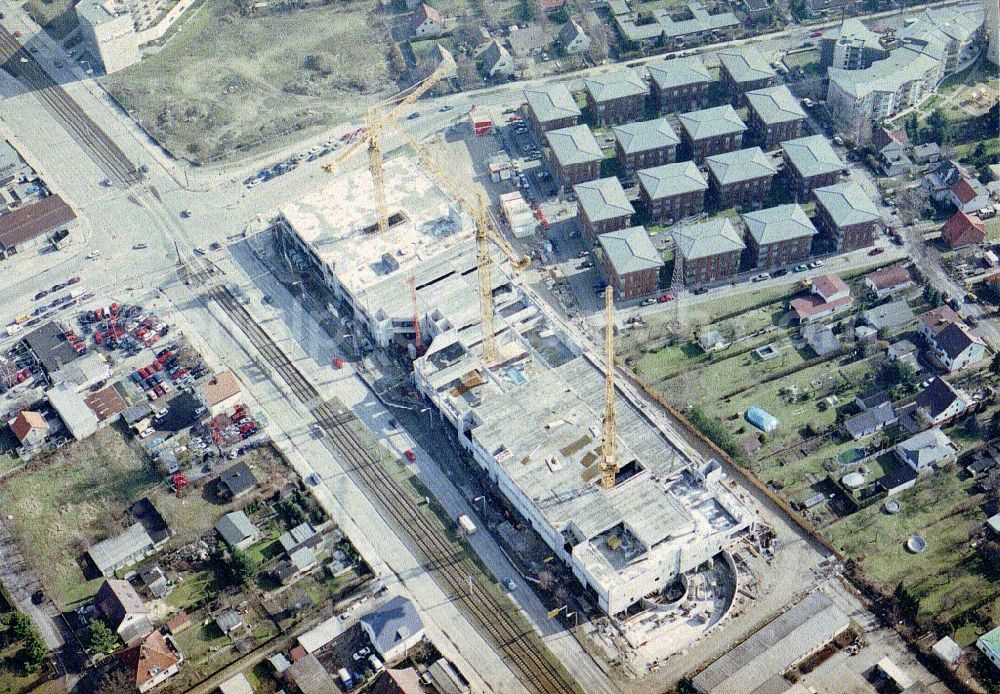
482 498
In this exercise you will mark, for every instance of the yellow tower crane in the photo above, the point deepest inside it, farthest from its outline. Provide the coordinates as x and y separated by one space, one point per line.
609 442
377 122
486 232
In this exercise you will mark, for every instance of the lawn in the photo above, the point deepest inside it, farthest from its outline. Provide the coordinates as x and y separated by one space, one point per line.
76 497
946 512
224 82
992 228
802 59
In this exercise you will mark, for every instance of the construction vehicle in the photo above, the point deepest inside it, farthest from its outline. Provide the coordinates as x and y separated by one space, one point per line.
376 123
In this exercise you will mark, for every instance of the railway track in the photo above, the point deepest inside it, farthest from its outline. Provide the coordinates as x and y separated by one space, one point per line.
101 148
444 563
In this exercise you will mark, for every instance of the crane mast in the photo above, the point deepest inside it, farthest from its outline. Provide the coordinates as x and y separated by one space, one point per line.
609 443
417 340
375 123
485 265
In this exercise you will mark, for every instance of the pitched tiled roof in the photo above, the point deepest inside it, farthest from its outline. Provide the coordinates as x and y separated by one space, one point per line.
25 422
847 203
645 135
964 190
712 122
679 72
423 13
574 145
740 165
963 229
615 85
828 285
603 199
707 239
937 397
937 318
888 277
630 250
775 105
147 659
781 223
672 179
551 102
812 156
745 64
953 339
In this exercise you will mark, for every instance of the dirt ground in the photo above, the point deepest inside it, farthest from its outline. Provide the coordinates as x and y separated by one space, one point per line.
223 81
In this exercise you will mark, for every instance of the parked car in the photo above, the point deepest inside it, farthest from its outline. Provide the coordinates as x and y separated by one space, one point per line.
815 264
761 277
800 268
410 455
876 251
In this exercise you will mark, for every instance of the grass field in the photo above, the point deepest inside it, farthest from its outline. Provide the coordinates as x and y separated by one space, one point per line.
72 500
946 512
224 81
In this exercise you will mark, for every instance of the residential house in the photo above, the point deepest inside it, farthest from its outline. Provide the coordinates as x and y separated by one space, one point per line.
888 281
968 195
220 393
236 529
934 321
744 69
817 8
426 21
495 61
712 131
871 421
308 676
677 85
956 348
297 563
645 144
616 97
846 215
228 621
811 163
575 155
302 535
741 178
821 339
393 628
551 107
989 645
929 153
152 661
603 207
527 41
775 116
963 230
630 262
756 10
872 398
154 580
939 180
573 38
708 251
128 548
894 159
30 428
948 651
672 192
827 296
235 481
900 350
34 225
779 236
939 403
121 607
891 316
925 451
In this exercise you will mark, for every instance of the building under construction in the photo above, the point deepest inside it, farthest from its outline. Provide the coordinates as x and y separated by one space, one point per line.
533 414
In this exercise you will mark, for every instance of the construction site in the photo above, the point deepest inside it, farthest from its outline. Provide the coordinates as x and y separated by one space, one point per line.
609 493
